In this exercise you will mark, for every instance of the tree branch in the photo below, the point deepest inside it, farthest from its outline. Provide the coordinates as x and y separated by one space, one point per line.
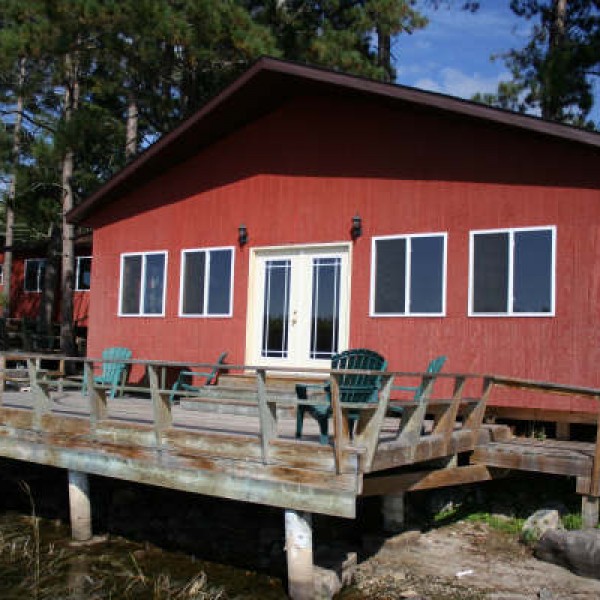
29 119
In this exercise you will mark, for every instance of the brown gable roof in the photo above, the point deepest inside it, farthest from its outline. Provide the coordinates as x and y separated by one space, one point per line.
269 83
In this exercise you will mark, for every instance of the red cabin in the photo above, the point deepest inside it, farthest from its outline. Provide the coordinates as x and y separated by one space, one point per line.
302 212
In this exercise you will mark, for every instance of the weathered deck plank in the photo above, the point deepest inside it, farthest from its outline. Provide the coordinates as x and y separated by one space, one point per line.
542 456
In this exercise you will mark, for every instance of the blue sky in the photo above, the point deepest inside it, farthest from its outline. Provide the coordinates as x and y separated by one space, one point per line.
452 54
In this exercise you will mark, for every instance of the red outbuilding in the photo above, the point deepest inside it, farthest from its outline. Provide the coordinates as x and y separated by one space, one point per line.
27 280
303 211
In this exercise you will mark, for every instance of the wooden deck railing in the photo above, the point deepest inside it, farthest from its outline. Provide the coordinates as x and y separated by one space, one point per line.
236 438
593 484
268 400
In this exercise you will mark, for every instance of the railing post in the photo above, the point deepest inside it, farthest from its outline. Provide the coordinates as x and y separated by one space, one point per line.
595 478
341 433
2 377
39 393
267 415
474 418
411 424
161 406
368 431
446 423
98 406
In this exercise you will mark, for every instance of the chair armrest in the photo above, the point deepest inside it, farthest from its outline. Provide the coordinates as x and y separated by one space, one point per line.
303 388
194 374
404 388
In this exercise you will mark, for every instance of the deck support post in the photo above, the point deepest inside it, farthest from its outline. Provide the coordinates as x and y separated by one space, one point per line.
590 511
299 549
80 506
563 430
393 510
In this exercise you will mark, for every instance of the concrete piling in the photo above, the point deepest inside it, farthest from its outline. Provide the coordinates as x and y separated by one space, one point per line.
299 549
80 506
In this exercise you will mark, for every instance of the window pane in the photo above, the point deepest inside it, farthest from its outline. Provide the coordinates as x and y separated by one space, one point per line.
325 307
490 273
35 269
132 278
532 278
276 315
31 276
84 271
390 276
154 284
41 273
194 273
219 292
426 274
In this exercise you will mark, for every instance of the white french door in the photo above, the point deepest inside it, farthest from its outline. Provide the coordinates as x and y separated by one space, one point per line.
299 306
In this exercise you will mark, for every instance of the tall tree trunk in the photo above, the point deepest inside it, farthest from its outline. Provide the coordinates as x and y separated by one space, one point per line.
67 339
551 102
49 286
12 191
132 126
384 53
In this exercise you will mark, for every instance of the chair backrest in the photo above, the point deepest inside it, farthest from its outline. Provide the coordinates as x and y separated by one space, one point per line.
434 366
112 371
214 374
356 387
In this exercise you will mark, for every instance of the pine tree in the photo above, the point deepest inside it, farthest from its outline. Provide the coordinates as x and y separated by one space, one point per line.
353 36
553 74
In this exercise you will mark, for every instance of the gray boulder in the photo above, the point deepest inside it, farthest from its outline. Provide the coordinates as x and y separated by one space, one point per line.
578 551
540 522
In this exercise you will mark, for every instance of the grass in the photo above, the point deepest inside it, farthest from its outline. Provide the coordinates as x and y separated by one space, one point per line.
510 502
30 568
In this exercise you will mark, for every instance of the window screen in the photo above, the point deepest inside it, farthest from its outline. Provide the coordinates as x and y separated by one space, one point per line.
207 280
490 273
513 271
409 275
35 269
84 272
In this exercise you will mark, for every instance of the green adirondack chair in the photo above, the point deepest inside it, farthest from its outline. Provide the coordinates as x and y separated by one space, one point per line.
114 374
352 388
185 377
434 366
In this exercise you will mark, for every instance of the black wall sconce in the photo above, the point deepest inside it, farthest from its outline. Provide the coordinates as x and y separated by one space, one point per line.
356 230
242 235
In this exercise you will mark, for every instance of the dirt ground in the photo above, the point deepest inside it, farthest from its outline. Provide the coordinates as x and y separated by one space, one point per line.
465 561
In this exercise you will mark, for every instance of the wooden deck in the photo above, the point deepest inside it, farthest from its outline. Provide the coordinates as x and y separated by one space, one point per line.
238 441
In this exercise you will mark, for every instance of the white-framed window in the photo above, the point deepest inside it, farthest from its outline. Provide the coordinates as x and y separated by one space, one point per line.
408 275
35 268
206 282
143 284
83 273
512 272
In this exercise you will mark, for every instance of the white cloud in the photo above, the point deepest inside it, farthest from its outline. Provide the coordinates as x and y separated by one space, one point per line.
427 84
455 82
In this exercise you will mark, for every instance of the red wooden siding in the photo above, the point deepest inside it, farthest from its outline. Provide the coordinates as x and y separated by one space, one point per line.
27 304
298 175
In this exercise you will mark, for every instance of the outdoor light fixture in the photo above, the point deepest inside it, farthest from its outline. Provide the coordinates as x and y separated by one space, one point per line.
356 230
242 235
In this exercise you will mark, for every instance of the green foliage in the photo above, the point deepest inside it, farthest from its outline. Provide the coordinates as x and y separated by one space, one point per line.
511 525
341 34
553 74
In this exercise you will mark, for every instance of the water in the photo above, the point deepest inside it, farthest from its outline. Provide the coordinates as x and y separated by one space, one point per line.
150 542
38 560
